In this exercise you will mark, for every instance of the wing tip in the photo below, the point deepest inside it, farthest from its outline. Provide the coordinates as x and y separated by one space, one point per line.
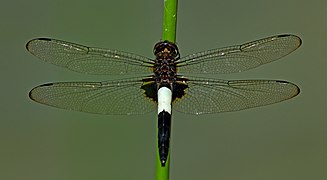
31 94
28 44
296 88
297 38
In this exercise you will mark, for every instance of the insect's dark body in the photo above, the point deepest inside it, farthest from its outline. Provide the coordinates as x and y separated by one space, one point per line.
165 75
165 72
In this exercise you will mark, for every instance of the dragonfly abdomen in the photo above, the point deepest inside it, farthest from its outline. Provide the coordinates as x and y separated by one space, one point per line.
164 122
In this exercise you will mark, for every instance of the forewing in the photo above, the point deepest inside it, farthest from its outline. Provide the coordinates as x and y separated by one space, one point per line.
241 57
214 96
89 60
110 97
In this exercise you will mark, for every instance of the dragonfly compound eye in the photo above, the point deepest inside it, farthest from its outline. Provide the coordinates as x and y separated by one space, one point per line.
166 49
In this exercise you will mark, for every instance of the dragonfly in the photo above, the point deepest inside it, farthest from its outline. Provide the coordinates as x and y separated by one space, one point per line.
162 82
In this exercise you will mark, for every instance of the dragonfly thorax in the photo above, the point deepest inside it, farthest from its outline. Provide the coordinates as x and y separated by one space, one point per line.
165 64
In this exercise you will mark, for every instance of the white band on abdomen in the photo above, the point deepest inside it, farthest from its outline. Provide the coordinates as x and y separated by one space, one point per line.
164 99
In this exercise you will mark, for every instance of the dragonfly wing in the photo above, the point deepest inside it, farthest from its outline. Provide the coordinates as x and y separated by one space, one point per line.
110 97
213 96
89 60
241 57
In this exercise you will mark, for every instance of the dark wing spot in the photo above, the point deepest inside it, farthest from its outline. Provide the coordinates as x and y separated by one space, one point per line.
150 89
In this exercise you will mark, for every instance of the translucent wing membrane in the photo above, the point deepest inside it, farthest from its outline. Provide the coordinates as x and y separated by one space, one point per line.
128 96
213 96
89 60
110 97
241 57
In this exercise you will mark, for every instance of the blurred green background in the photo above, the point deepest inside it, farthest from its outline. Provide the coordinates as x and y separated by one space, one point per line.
285 141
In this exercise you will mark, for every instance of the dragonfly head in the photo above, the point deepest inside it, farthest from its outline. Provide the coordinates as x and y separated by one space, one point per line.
165 50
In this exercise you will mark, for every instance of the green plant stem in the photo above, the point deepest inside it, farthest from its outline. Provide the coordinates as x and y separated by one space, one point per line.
162 173
169 21
169 34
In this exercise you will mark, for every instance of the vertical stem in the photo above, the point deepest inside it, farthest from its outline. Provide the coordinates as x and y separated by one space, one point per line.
168 33
169 21
162 173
